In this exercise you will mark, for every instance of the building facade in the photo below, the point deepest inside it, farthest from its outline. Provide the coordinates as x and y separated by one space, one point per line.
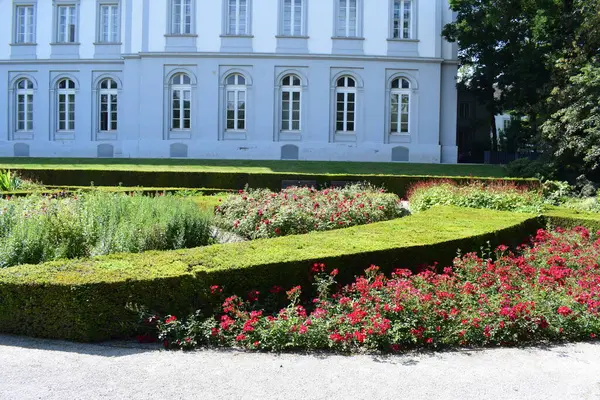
344 80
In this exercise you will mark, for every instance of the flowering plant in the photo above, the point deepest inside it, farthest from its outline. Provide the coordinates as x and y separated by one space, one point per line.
547 291
495 195
261 213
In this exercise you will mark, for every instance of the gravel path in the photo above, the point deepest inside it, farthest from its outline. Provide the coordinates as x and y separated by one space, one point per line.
39 369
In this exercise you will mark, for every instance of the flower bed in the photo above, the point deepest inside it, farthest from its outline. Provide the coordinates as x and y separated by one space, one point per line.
502 196
34 229
549 291
257 214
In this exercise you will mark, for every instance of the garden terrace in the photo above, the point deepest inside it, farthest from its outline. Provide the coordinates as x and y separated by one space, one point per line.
84 299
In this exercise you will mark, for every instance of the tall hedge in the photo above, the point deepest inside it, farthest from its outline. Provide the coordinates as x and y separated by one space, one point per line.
227 180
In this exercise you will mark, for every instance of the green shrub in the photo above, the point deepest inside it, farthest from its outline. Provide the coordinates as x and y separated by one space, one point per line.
526 168
85 299
495 196
261 213
570 218
35 229
397 184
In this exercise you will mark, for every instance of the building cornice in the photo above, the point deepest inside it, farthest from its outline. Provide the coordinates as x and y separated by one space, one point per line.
223 55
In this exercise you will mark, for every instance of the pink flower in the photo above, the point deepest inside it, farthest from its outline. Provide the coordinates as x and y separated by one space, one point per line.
171 319
564 311
253 295
240 337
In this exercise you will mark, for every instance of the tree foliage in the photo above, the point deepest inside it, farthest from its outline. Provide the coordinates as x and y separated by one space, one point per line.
536 58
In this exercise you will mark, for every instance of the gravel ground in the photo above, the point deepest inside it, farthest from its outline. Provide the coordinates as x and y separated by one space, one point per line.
40 369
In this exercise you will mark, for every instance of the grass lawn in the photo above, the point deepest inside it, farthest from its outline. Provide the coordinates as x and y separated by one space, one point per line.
253 166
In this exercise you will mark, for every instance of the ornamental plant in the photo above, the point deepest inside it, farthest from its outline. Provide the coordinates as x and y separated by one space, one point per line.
261 213
547 291
39 228
501 196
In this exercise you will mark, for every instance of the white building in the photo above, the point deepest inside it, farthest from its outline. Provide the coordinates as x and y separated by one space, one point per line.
348 80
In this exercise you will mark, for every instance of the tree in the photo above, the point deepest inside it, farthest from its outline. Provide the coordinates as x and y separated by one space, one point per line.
539 55
574 129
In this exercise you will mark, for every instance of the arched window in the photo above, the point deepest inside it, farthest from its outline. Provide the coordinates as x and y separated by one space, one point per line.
400 106
291 103
66 105
235 95
181 102
108 105
24 100
345 95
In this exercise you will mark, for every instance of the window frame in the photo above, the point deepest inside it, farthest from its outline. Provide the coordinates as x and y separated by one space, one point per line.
236 89
291 90
115 24
171 31
182 89
412 29
303 20
70 125
400 93
30 30
346 90
28 111
227 31
359 20
109 92
57 5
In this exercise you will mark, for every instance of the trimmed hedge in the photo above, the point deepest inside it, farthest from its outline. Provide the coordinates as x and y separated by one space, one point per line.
49 190
398 184
568 219
84 300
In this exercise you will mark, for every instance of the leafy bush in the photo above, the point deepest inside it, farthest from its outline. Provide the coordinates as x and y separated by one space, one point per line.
495 196
36 228
549 292
8 181
526 168
262 214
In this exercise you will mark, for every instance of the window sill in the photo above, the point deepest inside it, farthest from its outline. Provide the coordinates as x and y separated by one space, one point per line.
235 135
180 134
400 137
64 135
65 44
292 37
290 136
190 35
403 40
345 137
23 44
347 38
108 43
23 135
236 36
107 135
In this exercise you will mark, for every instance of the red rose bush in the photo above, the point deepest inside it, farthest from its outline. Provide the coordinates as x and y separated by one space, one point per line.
547 291
260 213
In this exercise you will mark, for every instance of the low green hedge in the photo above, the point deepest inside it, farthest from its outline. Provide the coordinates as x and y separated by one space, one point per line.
398 184
49 189
84 300
567 218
